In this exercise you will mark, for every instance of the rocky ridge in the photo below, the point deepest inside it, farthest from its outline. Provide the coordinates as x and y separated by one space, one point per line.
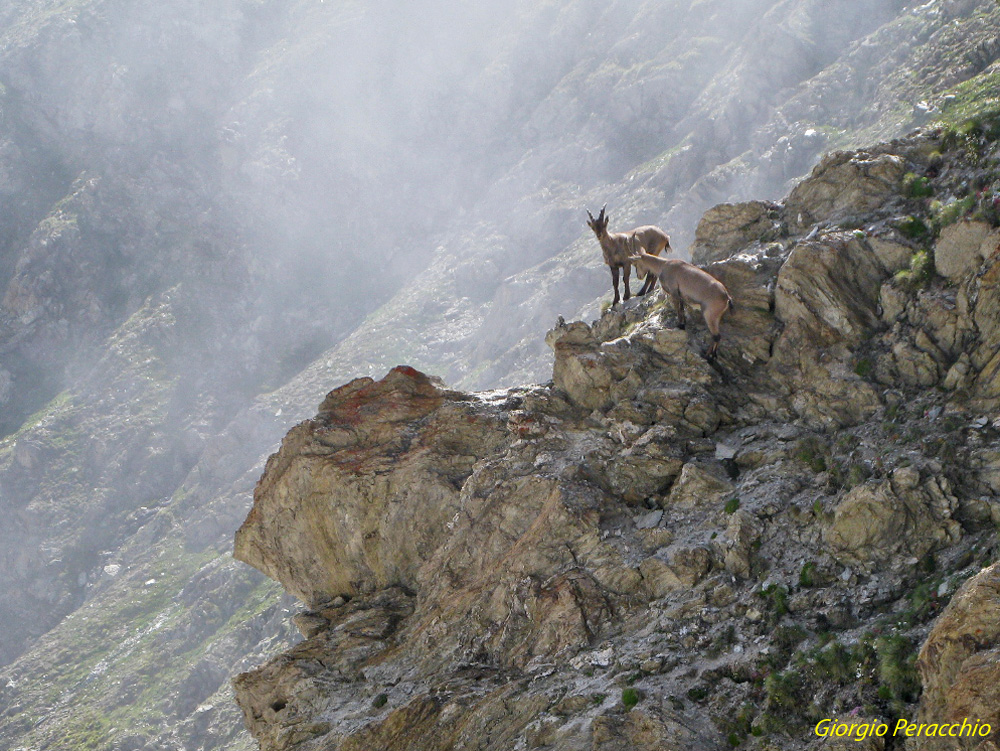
654 551
170 258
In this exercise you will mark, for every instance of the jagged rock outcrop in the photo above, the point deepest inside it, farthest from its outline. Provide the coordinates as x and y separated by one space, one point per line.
960 665
654 551
845 186
386 460
901 515
961 248
195 211
729 227
504 564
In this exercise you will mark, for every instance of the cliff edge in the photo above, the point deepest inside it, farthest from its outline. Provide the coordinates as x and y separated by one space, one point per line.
656 552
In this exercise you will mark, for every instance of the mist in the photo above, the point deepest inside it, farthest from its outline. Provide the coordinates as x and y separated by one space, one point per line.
213 215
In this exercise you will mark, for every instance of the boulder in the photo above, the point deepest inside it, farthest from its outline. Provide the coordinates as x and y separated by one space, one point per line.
961 248
830 282
646 728
742 534
843 185
578 369
678 567
646 467
959 664
357 498
698 488
892 252
827 295
901 516
730 227
907 364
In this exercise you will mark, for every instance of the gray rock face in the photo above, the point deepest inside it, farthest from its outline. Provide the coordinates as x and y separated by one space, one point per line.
960 665
730 227
845 185
515 560
506 561
961 248
170 262
901 515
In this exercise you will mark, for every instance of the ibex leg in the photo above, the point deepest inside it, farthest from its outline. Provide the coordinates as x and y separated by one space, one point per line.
713 347
681 315
713 317
647 285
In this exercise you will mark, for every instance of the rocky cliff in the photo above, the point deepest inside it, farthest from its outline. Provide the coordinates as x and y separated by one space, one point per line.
653 551
211 214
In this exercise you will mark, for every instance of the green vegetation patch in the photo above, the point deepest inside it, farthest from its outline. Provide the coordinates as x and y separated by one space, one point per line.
897 669
913 227
61 404
811 452
807 575
976 105
630 697
920 273
917 186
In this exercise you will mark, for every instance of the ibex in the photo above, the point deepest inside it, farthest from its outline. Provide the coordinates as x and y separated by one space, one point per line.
615 247
687 283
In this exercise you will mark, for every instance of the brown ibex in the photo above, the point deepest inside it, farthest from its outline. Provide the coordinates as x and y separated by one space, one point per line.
615 246
687 283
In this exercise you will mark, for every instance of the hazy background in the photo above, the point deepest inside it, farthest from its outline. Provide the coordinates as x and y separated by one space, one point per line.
210 215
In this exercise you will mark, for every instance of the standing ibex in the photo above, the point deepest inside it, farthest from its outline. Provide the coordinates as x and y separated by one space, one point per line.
687 283
615 247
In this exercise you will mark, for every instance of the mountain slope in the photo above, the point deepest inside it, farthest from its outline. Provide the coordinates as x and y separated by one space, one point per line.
658 551
212 215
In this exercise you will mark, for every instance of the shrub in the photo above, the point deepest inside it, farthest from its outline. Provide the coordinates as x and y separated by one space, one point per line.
913 227
916 186
630 697
776 597
857 474
920 273
945 214
922 266
897 669
811 452
783 692
806 577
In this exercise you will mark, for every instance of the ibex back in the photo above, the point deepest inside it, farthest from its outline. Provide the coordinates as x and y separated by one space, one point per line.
685 282
616 248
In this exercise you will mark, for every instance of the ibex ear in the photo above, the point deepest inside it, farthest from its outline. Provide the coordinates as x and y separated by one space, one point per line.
591 222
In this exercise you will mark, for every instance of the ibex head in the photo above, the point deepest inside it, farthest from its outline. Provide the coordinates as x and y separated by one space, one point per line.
599 225
636 253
